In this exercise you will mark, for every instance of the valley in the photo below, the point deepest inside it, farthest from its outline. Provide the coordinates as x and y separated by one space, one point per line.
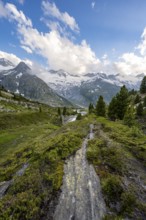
22 81
88 168
61 161
61 88
86 88
72 110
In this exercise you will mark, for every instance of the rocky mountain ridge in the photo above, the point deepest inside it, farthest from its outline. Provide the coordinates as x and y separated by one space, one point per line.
21 80
79 89
83 89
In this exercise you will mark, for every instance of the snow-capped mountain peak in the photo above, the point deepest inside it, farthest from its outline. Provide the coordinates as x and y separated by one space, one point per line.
22 67
5 64
80 89
86 88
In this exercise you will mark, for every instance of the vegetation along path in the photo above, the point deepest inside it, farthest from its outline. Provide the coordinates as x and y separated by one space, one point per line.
81 196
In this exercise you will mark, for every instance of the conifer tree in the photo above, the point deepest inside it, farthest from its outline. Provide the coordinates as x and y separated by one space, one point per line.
100 107
79 116
91 108
132 92
59 111
143 86
144 101
112 109
137 99
122 102
64 111
40 109
139 110
118 105
129 117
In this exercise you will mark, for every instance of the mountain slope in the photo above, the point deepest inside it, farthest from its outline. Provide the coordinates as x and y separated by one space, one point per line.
22 81
83 89
5 64
79 89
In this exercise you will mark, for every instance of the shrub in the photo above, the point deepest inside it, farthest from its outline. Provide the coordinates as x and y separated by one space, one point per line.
112 188
113 157
135 132
79 116
128 200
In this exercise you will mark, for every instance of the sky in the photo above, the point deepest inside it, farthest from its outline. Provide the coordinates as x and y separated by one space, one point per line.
79 36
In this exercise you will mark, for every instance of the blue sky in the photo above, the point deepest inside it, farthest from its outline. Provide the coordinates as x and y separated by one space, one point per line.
76 35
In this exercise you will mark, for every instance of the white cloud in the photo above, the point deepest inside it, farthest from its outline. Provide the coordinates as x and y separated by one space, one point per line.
142 45
131 63
93 5
105 56
54 25
28 62
14 59
27 49
14 15
61 52
3 11
10 56
50 9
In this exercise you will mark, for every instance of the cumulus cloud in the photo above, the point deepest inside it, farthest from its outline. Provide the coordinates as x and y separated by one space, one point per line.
130 63
54 25
50 9
27 49
134 62
10 56
18 16
60 50
14 59
10 12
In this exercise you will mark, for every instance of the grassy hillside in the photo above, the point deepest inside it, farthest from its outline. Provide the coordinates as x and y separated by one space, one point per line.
34 136
118 154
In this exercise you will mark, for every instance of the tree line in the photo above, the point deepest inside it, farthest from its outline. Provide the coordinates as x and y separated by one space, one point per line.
122 105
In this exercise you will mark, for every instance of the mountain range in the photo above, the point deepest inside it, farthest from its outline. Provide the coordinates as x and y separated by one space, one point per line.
62 88
21 80
83 89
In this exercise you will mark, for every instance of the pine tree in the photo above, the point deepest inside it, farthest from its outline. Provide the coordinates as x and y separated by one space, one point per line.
59 111
144 101
129 117
118 105
112 109
137 99
79 116
139 110
91 108
64 111
122 102
143 86
100 107
132 92
40 109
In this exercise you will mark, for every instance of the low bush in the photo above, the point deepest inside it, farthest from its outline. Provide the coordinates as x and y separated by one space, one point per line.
112 188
